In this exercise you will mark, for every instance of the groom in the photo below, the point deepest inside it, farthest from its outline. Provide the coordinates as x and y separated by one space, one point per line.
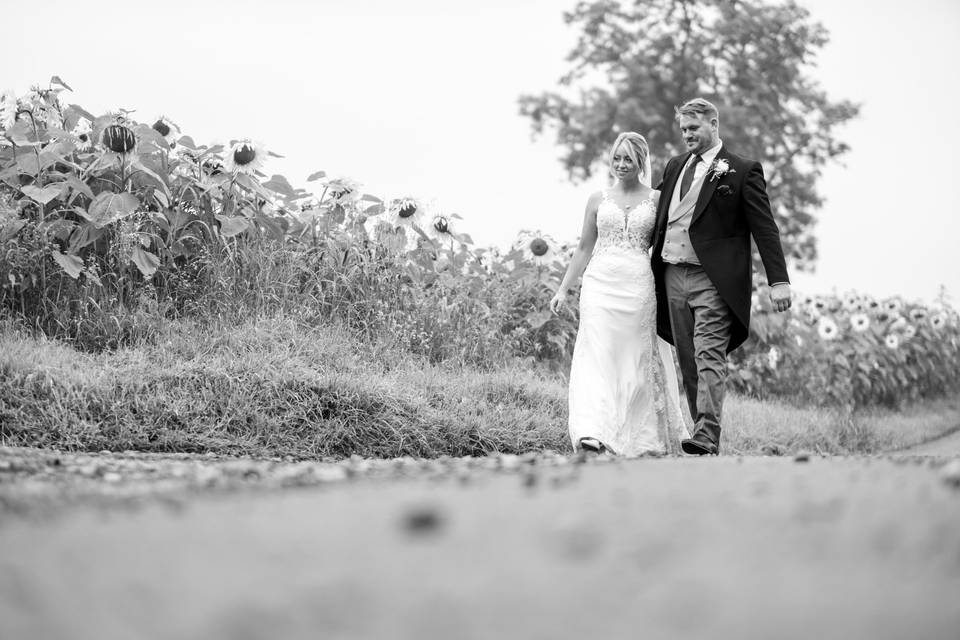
711 203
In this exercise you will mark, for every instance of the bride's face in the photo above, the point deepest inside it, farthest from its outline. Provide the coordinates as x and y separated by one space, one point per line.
623 166
698 134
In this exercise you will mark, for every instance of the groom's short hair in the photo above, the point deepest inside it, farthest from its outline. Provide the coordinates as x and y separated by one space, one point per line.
703 109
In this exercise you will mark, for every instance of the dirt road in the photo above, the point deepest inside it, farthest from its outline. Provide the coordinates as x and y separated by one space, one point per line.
495 548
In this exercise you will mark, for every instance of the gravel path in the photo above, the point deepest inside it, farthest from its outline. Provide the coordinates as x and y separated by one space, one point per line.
141 546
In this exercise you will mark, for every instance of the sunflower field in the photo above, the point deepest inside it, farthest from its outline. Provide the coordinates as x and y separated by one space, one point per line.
110 226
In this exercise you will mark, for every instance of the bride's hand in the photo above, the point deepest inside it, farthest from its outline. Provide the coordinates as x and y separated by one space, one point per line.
557 301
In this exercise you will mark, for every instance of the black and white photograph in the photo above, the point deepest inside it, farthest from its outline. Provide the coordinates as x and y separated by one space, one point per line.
533 319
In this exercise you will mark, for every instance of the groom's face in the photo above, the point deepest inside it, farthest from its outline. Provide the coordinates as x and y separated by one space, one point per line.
698 134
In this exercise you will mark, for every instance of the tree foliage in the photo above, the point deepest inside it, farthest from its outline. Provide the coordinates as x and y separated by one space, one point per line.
636 60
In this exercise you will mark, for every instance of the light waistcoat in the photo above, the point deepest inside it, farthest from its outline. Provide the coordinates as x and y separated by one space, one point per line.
676 246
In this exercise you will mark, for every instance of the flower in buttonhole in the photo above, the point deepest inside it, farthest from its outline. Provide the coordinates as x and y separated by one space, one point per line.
892 341
860 322
405 212
119 138
8 109
827 328
244 156
82 133
537 247
938 321
773 357
909 332
167 129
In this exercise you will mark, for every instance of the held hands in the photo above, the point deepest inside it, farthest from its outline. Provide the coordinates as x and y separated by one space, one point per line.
558 300
780 296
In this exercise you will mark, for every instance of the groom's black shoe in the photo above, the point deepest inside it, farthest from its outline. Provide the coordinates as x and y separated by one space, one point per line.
700 445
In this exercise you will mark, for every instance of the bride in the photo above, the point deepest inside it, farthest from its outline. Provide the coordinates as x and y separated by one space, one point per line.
624 396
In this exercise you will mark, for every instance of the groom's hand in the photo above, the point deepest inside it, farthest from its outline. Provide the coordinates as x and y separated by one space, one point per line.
780 296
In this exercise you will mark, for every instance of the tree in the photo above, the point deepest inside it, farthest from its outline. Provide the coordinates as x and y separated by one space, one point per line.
635 61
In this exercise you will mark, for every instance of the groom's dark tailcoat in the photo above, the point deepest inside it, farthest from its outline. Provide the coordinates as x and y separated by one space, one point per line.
729 209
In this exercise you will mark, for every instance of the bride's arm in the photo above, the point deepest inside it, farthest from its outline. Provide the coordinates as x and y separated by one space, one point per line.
581 256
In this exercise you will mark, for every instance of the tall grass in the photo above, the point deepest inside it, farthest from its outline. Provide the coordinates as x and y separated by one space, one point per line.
281 386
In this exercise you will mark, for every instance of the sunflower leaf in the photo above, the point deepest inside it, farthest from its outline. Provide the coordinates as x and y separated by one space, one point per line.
232 225
108 207
188 142
11 229
83 112
72 265
57 80
145 261
139 165
281 185
44 195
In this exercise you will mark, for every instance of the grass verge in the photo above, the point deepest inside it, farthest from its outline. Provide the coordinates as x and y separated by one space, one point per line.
277 387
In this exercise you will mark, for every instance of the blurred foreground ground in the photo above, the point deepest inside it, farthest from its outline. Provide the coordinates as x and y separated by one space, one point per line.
146 546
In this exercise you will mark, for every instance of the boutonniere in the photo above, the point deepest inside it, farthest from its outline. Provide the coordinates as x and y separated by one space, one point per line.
720 168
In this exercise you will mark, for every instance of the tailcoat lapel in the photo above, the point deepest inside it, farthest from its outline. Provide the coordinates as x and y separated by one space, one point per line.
709 185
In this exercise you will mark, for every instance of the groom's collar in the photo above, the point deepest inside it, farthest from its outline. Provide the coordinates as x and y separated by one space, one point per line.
710 154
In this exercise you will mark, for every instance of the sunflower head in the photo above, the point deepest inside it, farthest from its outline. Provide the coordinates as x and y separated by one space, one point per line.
892 341
827 329
405 211
244 156
119 138
537 247
167 129
859 322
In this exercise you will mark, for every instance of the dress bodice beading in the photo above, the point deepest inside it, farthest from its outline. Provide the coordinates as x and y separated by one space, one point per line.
619 230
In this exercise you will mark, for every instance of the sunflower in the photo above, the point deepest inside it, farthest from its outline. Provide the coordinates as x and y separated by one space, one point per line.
828 329
918 313
938 321
442 227
167 129
245 156
892 306
853 303
909 331
773 357
405 212
537 247
8 109
860 322
82 133
892 341
119 138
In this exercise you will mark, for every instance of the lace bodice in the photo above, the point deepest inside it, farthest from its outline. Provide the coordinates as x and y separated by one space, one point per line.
630 230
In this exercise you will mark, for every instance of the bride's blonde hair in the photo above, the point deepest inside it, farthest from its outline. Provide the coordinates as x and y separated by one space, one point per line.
635 146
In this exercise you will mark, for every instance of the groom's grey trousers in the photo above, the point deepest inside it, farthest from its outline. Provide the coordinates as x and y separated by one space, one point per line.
700 321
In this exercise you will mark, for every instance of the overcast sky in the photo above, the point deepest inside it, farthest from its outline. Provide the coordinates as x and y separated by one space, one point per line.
420 98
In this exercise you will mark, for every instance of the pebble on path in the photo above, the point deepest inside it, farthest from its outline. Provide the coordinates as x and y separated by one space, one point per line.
422 520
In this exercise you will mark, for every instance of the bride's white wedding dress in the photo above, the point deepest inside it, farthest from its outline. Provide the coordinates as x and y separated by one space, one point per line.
623 383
